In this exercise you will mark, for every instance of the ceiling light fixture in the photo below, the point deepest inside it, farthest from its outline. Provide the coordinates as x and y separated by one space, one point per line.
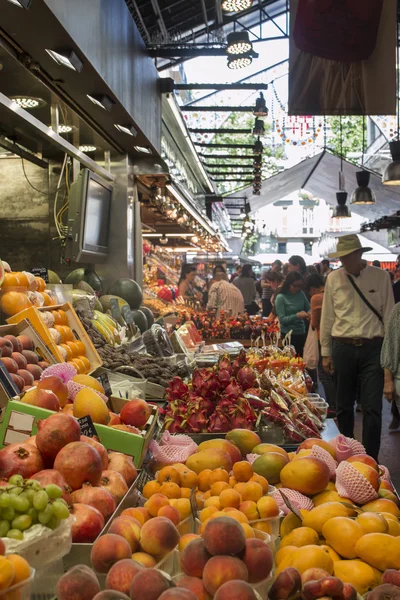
258 147
64 129
238 43
143 149
391 175
163 240
128 129
363 193
195 239
232 6
66 58
101 100
239 62
21 3
260 109
258 128
341 210
88 148
28 102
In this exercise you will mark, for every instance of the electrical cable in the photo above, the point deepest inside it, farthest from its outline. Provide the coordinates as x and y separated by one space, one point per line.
32 186
55 199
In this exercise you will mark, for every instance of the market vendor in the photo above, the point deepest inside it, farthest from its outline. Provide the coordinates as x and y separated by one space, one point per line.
186 285
224 296
358 302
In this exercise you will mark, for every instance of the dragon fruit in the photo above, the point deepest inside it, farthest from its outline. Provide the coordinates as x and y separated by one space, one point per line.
205 383
233 390
224 364
224 378
239 362
246 376
218 423
176 389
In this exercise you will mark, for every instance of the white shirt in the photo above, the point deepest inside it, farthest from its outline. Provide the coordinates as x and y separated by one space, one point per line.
345 314
225 296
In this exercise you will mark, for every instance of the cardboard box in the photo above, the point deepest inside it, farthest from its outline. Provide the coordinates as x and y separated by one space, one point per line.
24 327
20 423
33 315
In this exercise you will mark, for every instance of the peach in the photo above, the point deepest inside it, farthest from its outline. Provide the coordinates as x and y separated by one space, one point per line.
155 502
313 574
6 347
177 593
171 513
35 371
26 376
107 550
121 574
19 359
26 342
19 382
10 365
57 386
258 559
287 584
329 586
186 539
235 590
220 569
16 343
31 357
41 398
144 559
194 558
195 585
364 458
148 584
43 364
267 507
110 595
349 592
128 528
391 576
139 513
79 583
159 536
224 535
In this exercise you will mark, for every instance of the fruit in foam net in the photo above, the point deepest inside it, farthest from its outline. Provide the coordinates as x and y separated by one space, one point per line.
107 550
88 402
22 459
149 584
136 413
220 569
89 381
79 463
307 475
115 484
42 399
124 465
79 582
88 524
120 576
55 432
97 497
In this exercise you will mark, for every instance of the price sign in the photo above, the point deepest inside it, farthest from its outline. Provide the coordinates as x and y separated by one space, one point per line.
87 427
115 309
41 272
105 382
127 314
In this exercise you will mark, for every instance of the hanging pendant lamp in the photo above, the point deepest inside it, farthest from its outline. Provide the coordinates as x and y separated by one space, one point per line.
260 109
391 175
258 127
363 193
341 210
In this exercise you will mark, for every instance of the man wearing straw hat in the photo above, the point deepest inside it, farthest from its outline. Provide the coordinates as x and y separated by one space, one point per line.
358 301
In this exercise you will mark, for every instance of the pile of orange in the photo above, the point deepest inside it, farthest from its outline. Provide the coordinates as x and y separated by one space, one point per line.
23 290
13 570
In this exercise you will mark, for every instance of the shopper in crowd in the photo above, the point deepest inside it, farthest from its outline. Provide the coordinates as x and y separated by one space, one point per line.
285 270
391 275
292 309
311 270
314 286
218 269
376 263
390 360
236 273
275 281
396 289
357 305
246 284
397 274
225 296
318 268
186 285
325 266
266 294
277 266
298 264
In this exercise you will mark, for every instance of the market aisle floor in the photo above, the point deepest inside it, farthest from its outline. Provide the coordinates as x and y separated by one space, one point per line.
390 446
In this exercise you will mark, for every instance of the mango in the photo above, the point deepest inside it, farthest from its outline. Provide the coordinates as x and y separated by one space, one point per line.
288 523
244 439
356 572
264 448
382 505
213 458
342 534
302 536
224 445
329 495
306 558
379 550
270 465
316 517
307 475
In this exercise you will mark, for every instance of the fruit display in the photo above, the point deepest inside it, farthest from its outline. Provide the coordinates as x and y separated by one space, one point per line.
20 359
21 290
15 575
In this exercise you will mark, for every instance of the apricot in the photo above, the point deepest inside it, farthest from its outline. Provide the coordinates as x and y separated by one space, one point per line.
21 566
188 478
144 559
171 490
204 480
183 506
158 536
235 590
267 507
220 569
171 513
249 532
252 491
155 502
219 487
206 513
213 501
169 474
194 558
151 488
79 583
242 471
107 550
224 535
186 492
249 508
230 498
219 475
262 481
148 584
129 529
139 513
195 585
258 559
121 574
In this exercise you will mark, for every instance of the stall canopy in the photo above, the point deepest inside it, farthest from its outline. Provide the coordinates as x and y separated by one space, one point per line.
319 176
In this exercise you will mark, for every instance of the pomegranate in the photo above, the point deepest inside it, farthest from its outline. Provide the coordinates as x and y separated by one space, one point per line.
78 462
88 523
20 459
115 483
114 419
31 440
55 432
123 464
135 412
48 476
98 497
99 447
246 377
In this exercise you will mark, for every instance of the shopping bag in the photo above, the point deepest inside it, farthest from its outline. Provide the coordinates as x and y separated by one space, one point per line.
311 352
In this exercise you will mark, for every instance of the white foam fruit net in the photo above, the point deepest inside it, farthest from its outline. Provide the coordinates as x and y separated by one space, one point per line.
297 499
252 457
176 440
385 473
351 484
322 454
172 453
346 447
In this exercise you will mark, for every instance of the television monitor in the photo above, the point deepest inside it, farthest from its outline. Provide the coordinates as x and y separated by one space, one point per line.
88 218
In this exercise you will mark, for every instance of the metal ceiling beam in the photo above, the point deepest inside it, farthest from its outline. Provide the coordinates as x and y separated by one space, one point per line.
229 173
204 11
231 156
221 86
235 131
244 146
240 180
218 13
192 52
160 19
230 109
144 31
19 151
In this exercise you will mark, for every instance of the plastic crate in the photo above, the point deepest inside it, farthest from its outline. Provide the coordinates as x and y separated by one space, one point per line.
269 525
169 564
22 590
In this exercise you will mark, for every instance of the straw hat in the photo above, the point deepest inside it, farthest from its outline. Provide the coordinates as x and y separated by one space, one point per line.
348 244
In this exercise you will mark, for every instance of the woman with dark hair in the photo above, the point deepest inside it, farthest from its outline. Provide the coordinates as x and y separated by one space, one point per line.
246 284
292 309
314 288
186 286
298 264
277 266
275 281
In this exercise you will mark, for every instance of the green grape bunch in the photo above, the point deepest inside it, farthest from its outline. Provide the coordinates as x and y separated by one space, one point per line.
24 502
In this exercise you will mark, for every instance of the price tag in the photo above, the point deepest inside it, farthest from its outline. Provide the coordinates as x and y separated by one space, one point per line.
105 382
41 272
127 314
87 427
115 309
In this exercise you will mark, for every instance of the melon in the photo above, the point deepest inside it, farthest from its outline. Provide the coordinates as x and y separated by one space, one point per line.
105 302
87 275
129 290
140 320
53 277
149 315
